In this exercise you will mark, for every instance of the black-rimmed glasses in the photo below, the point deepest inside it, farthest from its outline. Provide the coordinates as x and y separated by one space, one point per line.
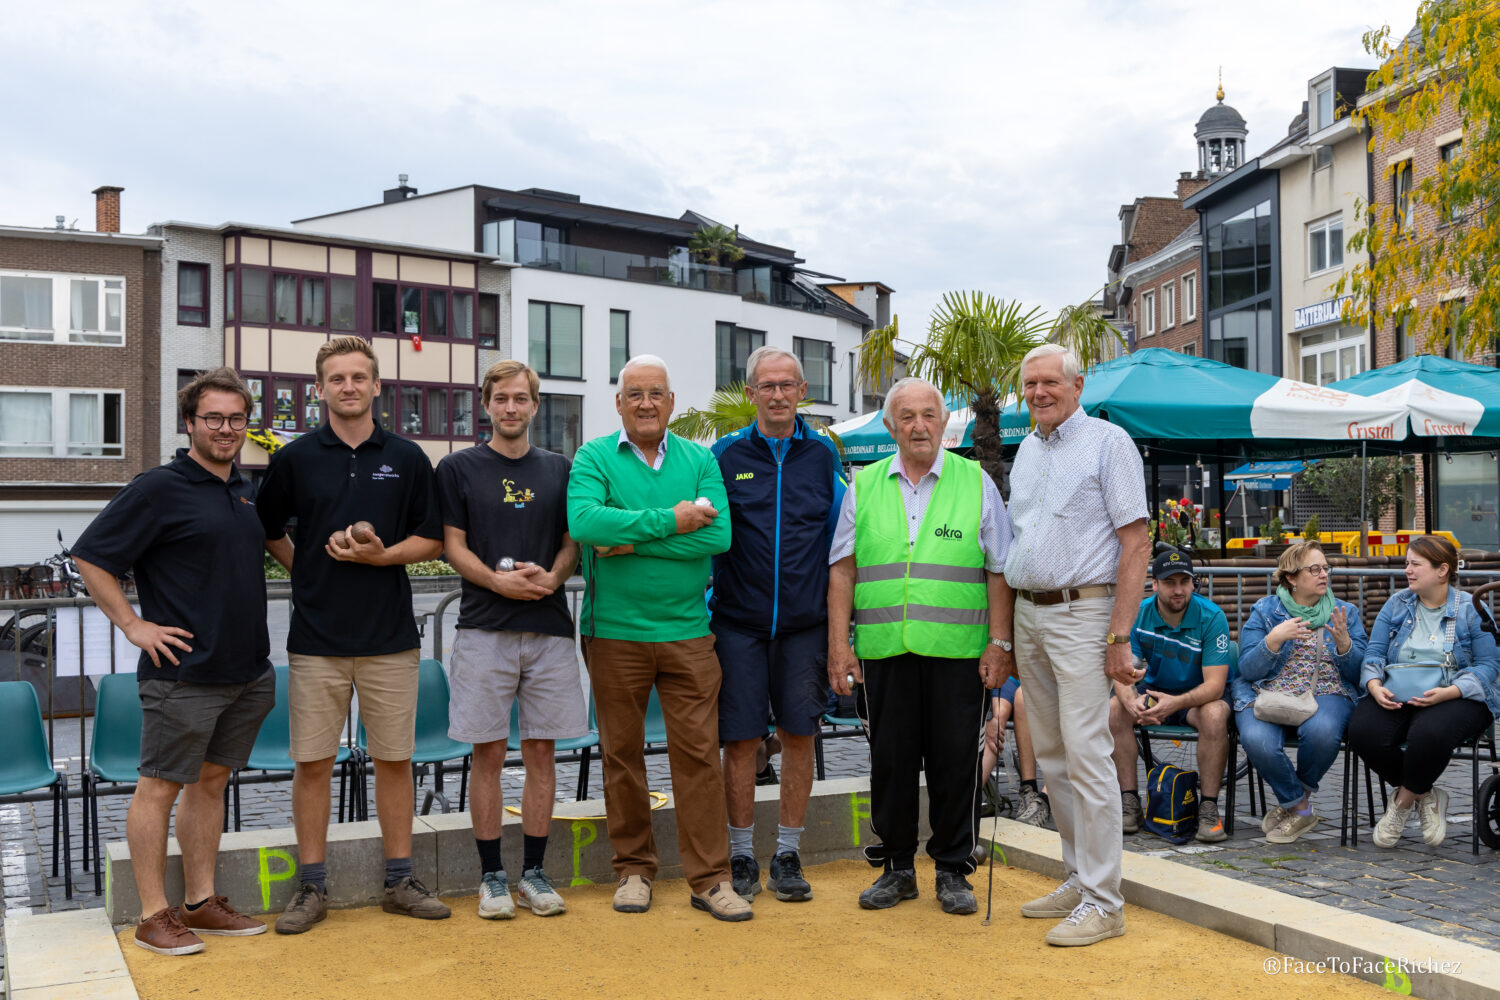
215 421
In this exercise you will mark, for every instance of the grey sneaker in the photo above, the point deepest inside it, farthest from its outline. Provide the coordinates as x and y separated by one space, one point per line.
955 894
1034 809
1433 812
1292 826
889 889
410 898
1130 812
1210 823
538 896
1087 924
1058 903
1273 818
494 897
786 879
744 872
307 906
1388 831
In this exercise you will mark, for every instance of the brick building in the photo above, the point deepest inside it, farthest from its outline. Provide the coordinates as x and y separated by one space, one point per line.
80 395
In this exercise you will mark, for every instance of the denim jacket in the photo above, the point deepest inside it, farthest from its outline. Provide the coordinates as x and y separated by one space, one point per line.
1474 649
1257 663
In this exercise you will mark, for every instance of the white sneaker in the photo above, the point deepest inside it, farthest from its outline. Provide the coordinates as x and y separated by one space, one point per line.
1060 902
494 897
1087 924
1433 812
1388 830
537 894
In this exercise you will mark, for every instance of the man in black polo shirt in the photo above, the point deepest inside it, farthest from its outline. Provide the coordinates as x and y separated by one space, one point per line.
508 500
190 532
352 625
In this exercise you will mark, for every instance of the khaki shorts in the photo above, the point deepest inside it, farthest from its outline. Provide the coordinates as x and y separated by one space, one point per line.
319 692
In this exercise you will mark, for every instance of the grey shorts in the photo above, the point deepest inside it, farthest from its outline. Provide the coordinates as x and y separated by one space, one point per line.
488 670
185 724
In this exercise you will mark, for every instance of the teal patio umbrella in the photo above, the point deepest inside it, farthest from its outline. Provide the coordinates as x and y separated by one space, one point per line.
864 438
1442 398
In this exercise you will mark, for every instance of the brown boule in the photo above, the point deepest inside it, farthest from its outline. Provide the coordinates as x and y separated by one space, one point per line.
362 532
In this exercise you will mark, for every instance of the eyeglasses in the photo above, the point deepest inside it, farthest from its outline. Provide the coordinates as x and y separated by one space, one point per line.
769 388
215 421
1316 569
636 396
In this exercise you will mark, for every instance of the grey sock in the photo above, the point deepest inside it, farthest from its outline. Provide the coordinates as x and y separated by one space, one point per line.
315 874
742 841
396 869
787 838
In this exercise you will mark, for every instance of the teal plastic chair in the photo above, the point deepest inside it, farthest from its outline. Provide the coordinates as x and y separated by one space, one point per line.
114 756
272 752
581 745
26 766
433 747
841 728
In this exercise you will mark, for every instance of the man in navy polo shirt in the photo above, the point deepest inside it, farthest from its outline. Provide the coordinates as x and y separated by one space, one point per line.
189 530
1183 640
352 625
770 610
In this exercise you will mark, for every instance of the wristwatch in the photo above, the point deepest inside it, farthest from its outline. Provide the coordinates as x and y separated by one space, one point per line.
1110 639
1004 644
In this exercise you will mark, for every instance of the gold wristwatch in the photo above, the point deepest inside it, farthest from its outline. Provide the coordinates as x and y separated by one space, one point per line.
1110 639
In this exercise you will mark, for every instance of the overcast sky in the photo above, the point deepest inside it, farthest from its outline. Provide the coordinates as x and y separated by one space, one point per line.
930 146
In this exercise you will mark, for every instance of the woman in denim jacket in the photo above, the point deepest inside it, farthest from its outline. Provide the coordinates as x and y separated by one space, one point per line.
1298 639
1412 628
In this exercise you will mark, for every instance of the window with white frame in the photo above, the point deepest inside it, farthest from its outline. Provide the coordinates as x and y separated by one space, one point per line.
1168 305
1190 297
62 308
1148 313
1323 106
61 423
1325 245
1332 354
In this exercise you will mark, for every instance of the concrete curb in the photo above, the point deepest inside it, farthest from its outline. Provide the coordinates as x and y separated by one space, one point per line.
64 956
1304 931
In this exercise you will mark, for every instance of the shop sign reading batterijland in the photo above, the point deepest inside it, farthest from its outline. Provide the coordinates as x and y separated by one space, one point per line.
1319 313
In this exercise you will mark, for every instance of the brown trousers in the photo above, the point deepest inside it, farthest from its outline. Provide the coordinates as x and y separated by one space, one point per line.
686 676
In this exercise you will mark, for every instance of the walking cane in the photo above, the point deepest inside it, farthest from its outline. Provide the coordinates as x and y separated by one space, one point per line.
989 897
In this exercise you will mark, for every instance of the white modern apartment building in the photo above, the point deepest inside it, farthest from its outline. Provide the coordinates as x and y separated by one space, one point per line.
594 285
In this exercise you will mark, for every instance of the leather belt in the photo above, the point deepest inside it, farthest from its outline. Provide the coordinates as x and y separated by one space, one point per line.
1046 597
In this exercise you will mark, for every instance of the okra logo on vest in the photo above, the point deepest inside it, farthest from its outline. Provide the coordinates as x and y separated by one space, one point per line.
947 532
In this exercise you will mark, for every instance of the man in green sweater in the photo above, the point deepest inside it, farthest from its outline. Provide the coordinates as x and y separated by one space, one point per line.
644 505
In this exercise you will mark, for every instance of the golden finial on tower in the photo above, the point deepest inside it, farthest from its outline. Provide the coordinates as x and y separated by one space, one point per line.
1221 85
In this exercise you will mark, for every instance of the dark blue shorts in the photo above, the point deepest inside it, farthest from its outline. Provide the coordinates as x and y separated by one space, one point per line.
785 679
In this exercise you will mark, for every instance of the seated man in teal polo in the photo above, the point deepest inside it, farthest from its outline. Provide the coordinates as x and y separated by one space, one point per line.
1182 638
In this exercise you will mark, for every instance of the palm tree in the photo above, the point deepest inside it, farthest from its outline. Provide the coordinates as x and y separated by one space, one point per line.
716 243
729 409
973 351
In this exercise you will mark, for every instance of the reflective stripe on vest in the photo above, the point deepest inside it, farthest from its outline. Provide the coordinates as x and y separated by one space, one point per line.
928 598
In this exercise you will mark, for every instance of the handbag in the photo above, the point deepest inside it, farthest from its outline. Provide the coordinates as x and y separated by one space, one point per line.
1406 681
1283 708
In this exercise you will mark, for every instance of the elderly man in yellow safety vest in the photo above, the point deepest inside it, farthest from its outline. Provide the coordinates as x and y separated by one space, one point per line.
917 561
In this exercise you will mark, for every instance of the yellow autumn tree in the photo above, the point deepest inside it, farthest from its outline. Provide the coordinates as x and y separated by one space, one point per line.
1433 247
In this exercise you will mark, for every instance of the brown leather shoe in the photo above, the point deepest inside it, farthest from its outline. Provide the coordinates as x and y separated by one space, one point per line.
164 934
216 916
411 898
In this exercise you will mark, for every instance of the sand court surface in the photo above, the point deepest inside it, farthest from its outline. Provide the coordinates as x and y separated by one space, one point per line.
827 947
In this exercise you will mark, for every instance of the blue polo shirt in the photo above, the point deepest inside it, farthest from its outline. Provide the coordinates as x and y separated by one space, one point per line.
1175 656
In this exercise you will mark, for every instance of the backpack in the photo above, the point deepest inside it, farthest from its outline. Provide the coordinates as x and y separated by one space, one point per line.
1171 807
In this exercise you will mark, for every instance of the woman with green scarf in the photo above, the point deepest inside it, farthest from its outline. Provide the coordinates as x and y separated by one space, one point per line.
1297 642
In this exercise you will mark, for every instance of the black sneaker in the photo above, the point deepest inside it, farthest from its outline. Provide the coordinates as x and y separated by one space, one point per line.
786 878
766 775
955 893
889 889
745 872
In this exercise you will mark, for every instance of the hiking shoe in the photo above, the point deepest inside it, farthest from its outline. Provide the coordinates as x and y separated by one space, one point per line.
164 934
1060 902
1035 810
889 889
494 897
411 898
991 801
1292 826
786 878
1210 823
538 896
1087 924
216 916
633 895
955 894
307 907
1273 818
744 872
1433 812
723 903
1130 812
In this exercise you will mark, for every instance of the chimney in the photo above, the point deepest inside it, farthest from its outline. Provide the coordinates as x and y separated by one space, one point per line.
1189 184
107 209
400 193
